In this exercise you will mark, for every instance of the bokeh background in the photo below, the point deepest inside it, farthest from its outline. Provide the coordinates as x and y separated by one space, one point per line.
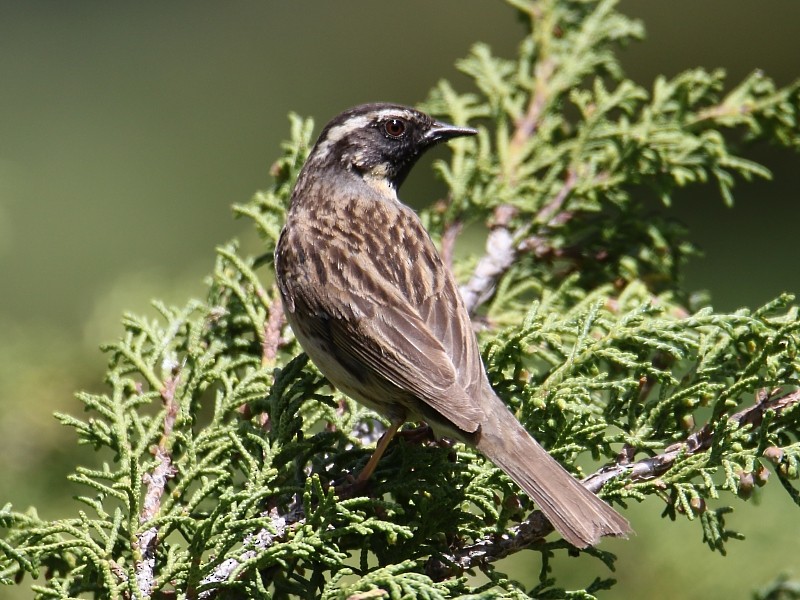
128 129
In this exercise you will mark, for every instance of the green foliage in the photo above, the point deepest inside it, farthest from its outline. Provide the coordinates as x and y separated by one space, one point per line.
224 451
780 589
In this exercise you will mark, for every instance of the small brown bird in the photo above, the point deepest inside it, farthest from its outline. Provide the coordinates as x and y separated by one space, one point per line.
379 313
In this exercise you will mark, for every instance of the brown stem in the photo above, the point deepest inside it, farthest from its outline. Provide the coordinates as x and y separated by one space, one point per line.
272 332
500 254
550 210
529 123
449 236
536 526
156 482
700 441
503 244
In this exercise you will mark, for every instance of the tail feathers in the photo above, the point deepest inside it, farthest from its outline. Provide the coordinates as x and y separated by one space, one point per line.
580 516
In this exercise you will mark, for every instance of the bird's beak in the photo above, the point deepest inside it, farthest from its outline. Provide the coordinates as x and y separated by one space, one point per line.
440 132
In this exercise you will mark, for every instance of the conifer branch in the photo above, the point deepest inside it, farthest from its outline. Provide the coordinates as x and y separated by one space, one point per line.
593 347
500 254
256 542
156 483
273 328
700 441
449 236
536 527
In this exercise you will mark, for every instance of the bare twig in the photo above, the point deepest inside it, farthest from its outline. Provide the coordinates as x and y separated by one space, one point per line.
272 332
255 542
529 123
536 526
449 236
156 482
490 549
503 244
500 254
549 211
700 441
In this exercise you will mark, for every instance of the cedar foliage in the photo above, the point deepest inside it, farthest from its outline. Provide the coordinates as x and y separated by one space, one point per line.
223 444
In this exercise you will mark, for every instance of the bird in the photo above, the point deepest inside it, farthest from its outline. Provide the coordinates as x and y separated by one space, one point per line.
374 306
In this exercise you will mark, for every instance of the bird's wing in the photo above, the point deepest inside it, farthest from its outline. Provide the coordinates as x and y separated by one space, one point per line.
447 319
398 346
391 339
389 305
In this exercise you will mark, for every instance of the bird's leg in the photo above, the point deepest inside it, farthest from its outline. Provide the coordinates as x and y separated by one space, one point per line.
383 443
355 486
418 435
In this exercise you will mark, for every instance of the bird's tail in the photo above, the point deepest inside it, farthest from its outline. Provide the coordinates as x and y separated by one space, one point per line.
580 516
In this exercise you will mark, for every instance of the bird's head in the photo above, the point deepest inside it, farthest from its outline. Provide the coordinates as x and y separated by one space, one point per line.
380 141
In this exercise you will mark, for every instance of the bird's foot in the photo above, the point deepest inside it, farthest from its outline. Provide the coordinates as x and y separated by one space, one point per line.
418 435
351 487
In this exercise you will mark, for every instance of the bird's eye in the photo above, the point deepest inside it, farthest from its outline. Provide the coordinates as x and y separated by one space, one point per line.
395 127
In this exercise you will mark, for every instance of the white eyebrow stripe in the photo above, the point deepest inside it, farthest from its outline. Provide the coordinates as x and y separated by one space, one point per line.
353 123
335 134
389 113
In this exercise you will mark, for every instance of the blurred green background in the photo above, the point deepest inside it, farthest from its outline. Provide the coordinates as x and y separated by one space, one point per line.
128 129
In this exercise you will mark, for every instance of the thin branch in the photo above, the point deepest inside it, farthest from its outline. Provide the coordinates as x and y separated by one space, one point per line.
700 441
550 210
490 549
272 332
260 540
503 244
147 540
529 123
536 526
500 254
449 236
